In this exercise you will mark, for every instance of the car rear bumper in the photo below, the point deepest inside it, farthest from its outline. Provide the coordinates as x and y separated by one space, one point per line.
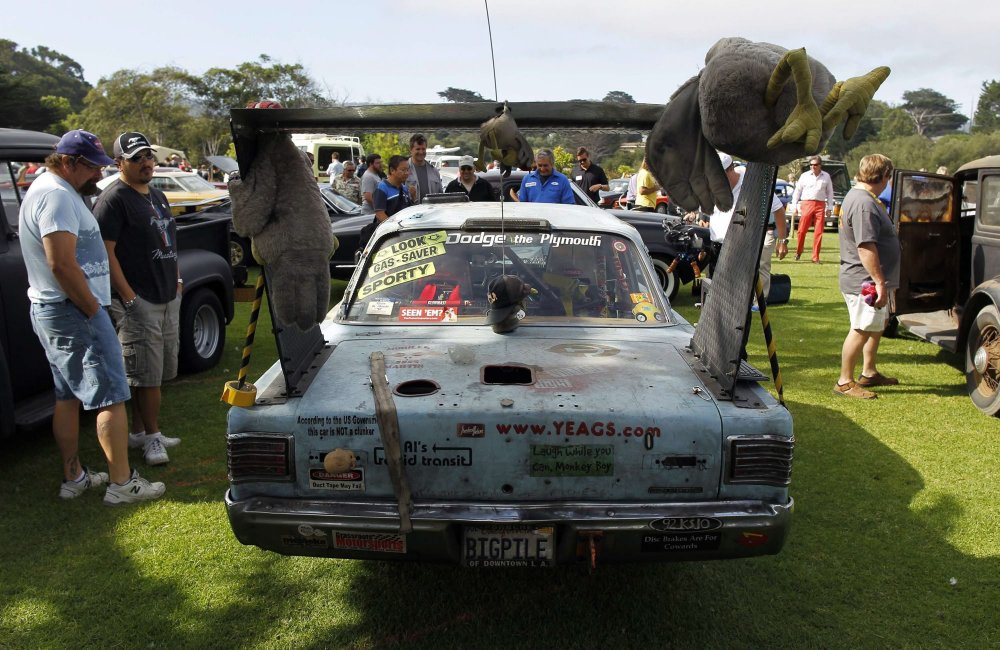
599 532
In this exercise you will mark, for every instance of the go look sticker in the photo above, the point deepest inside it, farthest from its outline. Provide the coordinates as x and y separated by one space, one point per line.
420 241
398 277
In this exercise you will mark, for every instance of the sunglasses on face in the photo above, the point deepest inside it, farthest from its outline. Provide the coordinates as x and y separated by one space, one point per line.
149 155
813 165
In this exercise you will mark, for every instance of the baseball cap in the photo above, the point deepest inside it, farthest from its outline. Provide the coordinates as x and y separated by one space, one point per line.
726 160
130 143
506 294
466 161
84 144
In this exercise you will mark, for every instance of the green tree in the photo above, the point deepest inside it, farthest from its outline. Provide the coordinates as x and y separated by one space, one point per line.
385 145
987 117
26 76
932 113
461 95
130 100
869 127
563 159
896 124
619 96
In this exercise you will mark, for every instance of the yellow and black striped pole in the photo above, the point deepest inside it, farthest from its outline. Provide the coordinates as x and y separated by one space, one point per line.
772 353
239 392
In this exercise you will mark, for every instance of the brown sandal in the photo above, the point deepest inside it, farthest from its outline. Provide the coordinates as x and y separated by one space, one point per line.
852 389
878 379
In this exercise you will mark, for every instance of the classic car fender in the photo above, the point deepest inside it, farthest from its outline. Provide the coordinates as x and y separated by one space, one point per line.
201 268
986 293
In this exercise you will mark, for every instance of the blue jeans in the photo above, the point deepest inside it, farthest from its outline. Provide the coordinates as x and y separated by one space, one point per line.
84 354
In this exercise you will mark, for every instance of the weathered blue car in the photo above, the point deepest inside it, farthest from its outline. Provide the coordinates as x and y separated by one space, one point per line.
585 434
599 427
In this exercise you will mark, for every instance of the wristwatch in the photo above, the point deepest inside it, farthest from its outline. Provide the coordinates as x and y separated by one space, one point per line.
128 304
782 241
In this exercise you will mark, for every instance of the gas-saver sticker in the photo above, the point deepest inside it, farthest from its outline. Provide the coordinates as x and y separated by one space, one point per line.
406 257
572 460
397 277
413 243
353 480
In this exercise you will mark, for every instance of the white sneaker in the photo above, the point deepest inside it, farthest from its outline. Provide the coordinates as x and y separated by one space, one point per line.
167 442
73 489
136 489
153 451
137 440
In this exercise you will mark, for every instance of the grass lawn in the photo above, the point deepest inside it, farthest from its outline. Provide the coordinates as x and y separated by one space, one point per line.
895 541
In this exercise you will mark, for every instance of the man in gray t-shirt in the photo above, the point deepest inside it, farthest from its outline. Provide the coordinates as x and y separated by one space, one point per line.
869 253
424 177
369 181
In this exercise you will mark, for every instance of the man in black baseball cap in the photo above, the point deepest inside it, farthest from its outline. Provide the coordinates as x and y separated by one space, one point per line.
130 143
140 235
506 297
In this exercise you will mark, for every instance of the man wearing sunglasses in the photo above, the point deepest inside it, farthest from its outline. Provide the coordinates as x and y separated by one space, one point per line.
141 239
69 287
589 176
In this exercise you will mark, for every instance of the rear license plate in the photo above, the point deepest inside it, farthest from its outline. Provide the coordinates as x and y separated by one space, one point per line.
506 546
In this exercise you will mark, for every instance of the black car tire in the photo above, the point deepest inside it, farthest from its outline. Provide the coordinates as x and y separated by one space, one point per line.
982 360
203 331
669 280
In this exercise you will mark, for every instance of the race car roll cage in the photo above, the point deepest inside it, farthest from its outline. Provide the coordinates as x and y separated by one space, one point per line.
718 347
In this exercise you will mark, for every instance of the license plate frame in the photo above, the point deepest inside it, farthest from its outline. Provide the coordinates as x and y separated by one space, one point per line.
508 545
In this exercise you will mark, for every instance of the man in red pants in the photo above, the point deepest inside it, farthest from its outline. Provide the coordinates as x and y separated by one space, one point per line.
812 201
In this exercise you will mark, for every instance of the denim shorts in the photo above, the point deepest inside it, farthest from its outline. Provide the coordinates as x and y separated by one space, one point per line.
149 334
83 353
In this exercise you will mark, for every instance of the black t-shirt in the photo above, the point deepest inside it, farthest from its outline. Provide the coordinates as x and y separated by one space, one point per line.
145 236
592 176
481 189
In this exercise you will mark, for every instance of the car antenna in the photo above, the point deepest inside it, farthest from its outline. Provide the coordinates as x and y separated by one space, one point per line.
496 97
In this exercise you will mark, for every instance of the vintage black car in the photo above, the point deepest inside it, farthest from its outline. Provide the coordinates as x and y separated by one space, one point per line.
949 228
26 397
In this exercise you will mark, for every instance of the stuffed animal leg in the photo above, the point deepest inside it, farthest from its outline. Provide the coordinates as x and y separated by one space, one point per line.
278 205
505 141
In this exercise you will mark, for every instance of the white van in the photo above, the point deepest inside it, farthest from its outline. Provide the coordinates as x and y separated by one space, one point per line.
321 146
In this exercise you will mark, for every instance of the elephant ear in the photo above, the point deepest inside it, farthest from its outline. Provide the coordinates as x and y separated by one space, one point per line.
683 160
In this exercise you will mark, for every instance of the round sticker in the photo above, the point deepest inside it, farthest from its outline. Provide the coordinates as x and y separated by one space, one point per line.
620 246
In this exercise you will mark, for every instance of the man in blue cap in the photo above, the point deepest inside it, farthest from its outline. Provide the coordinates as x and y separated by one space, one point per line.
69 288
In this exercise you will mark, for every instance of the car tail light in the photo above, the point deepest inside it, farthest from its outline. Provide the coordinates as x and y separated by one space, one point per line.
763 459
259 457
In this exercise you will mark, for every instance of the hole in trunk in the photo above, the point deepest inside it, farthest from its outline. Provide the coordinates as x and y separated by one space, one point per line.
416 388
508 375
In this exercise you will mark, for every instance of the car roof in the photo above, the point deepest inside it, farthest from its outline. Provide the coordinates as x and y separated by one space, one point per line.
979 163
561 217
26 146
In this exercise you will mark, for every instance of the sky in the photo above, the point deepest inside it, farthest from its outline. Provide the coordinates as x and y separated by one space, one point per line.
406 51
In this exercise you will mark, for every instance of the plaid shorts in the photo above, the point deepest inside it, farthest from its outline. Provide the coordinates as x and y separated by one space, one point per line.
83 353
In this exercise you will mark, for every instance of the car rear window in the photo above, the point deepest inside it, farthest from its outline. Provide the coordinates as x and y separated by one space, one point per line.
441 278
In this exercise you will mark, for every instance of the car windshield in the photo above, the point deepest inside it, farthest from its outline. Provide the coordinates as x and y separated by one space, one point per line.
441 278
195 183
340 201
